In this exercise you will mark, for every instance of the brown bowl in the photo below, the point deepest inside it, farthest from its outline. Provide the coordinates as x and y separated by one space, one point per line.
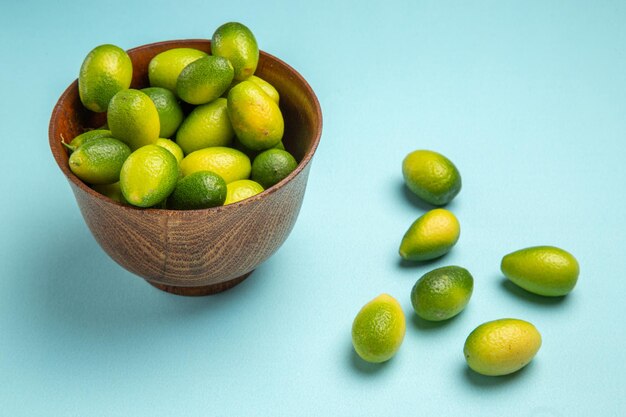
196 252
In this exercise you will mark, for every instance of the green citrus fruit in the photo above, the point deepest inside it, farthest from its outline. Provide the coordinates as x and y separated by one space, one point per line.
543 270
240 190
204 80
148 176
501 347
378 329
199 190
207 125
235 42
133 118
172 147
106 70
228 163
266 87
113 191
99 161
170 112
272 166
431 176
430 236
256 118
164 68
87 137
442 293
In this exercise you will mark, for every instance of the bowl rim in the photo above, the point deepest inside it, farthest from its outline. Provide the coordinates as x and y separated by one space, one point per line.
56 146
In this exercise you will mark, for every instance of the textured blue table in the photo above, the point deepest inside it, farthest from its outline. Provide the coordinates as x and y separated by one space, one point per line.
527 98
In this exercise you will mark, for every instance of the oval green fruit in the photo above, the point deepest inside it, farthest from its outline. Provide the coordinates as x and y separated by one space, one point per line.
378 329
266 87
501 347
255 117
442 293
133 118
87 137
200 190
113 191
272 166
164 68
228 163
204 80
172 147
106 70
431 176
148 176
99 161
235 42
240 190
543 270
170 112
432 235
207 125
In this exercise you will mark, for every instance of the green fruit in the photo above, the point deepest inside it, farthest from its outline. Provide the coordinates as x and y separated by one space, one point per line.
442 293
207 125
164 68
430 236
228 163
200 190
272 166
204 80
172 147
170 112
501 347
133 118
543 270
113 191
266 87
431 176
240 190
256 118
99 161
148 176
378 329
235 42
87 137
106 70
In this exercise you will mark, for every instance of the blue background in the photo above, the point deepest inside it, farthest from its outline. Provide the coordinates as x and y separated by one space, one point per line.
527 98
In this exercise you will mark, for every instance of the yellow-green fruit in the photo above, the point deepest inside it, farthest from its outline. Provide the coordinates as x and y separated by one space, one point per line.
164 68
430 236
148 176
87 137
272 166
431 176
170 112
172 147
207 125
543 270
266 87
256 118
501 347
228 163
442 293
378 329
241 189
99 161
106 70
204 80
235 42
133 118
113 191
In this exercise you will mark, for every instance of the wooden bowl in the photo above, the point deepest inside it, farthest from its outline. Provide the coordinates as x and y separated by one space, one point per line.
196 252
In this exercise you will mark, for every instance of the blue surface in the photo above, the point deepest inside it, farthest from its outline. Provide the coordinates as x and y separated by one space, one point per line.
527 98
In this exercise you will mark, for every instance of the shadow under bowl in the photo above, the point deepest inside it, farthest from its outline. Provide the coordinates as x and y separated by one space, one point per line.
196 252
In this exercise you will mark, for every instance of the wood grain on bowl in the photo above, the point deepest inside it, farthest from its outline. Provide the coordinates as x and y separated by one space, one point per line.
196 252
